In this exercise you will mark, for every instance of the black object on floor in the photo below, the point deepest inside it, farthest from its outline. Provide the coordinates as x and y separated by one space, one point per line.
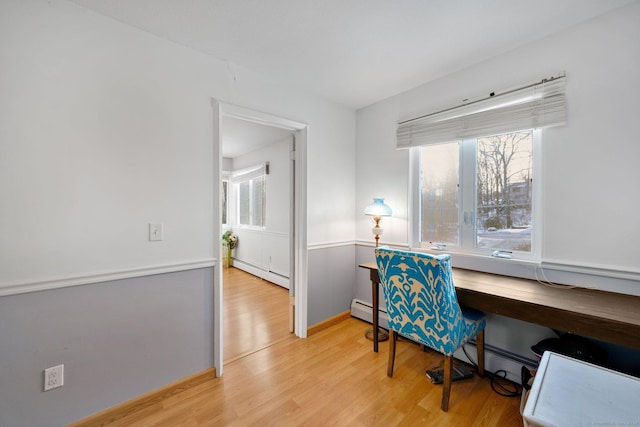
573 346
459 373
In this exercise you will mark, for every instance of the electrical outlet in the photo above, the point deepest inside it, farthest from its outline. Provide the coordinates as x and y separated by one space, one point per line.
53 377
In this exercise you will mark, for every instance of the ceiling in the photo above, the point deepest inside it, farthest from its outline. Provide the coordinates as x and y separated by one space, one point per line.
352 52
240 136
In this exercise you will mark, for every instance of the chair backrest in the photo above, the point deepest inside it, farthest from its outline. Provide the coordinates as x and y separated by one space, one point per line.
421 298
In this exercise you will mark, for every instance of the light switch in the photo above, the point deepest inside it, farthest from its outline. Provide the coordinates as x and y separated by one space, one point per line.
156 232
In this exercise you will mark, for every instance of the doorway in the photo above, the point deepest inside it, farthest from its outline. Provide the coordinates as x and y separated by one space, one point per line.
223 115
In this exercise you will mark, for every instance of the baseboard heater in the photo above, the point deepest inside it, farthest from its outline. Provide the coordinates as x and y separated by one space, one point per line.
495 358
268 275
364 311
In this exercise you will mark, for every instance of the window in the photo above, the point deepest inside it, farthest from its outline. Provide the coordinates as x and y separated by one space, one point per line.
225 198
476 195
249 188
252 201
504 186
439 194
472 171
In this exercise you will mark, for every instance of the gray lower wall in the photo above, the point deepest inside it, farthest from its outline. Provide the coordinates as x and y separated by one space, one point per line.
331 282
116 339
362 289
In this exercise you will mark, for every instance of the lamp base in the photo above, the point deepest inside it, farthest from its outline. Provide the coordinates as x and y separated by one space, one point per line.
383 335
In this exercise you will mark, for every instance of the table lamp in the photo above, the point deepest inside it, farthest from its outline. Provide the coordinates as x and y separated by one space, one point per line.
376 211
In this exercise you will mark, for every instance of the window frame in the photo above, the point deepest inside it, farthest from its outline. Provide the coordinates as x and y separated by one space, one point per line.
468 203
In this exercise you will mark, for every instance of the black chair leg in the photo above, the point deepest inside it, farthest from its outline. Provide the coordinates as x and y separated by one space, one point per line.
480 350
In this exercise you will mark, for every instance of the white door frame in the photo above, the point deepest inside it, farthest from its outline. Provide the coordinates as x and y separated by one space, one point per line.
220 111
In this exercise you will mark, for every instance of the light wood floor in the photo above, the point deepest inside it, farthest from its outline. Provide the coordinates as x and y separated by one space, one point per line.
256 313
332 378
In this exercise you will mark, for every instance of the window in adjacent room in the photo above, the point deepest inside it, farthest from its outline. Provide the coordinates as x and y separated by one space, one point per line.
225 198
252 201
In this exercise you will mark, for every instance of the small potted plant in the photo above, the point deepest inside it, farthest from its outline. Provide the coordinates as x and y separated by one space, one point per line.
229 241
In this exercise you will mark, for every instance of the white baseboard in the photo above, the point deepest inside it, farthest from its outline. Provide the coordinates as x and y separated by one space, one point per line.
362 310
263 274
496 359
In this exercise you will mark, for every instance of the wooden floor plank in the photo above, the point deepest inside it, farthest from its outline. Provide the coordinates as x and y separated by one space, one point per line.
256 313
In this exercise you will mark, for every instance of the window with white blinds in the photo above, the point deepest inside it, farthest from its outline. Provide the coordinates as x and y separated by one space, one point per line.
250 187
534 106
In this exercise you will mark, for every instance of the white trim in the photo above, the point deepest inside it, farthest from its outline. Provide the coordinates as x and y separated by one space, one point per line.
269 276
371 244
497 359
413 217
104 276
591 270
238 112
363 310
301 265
218 307
327 245
367 243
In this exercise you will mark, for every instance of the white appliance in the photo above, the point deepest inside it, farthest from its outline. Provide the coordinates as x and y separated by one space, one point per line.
568 392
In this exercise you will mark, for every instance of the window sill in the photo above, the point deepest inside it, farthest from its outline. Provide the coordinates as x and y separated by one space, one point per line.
489 264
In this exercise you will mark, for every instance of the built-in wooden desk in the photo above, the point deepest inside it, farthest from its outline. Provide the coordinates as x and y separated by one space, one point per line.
592 313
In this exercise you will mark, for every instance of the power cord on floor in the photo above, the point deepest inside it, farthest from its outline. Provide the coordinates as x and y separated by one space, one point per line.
499 381
503 386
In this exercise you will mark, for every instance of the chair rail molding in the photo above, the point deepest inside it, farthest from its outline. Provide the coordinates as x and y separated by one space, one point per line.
103 276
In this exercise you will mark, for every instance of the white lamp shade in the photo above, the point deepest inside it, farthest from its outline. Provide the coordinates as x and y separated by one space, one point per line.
377 208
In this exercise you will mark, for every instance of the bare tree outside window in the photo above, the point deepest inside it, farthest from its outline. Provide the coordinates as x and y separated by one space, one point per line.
504 191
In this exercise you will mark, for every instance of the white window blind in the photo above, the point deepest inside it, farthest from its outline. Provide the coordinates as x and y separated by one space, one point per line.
538 105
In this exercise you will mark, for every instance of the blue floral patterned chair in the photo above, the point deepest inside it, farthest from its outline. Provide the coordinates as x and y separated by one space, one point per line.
422 305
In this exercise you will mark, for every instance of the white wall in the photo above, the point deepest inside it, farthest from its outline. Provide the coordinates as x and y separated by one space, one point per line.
106 128
103 129
591 172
